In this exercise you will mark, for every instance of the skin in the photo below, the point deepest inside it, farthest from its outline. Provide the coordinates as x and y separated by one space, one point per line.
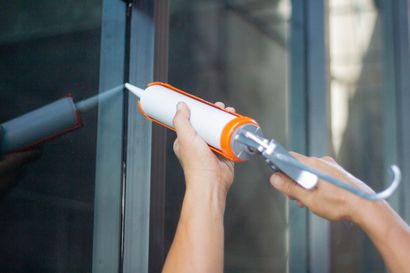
198 245
388 232
11 166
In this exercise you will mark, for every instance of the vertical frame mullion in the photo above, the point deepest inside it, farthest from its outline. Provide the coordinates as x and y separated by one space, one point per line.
297 218
107 200
318 122
392 84
159 143
402 57
309 235
138 171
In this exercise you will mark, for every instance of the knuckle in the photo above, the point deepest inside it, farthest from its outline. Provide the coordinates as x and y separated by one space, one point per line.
311 160
176 118
328 158
289 189
220 104
175 146
230 109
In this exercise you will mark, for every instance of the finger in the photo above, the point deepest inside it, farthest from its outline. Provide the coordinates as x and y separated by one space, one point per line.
183 127
230 109
15 160
285 185
220 104
176 147
328 159
325 164
300 204
298 156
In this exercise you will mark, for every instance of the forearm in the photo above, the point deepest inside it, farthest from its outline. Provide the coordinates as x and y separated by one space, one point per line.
389 233
199 240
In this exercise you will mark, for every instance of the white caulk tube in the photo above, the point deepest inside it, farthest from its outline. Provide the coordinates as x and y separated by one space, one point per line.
215 125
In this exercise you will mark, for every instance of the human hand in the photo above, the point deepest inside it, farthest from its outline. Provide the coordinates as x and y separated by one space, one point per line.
11 165
325 200
201 166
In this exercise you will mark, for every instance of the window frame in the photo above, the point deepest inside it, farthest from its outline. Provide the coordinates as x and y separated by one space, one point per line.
129 216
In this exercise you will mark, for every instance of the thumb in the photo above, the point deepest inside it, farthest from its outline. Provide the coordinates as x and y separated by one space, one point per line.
287 186
183 127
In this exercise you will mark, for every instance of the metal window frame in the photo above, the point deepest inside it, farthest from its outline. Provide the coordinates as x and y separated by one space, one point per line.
393 83
397 97
298 219
122 195
309 127
107 198
122 204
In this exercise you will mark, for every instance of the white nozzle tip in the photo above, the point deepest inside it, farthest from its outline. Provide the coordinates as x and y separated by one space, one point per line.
135 90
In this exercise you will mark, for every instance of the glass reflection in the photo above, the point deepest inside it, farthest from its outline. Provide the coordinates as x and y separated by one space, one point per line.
48 49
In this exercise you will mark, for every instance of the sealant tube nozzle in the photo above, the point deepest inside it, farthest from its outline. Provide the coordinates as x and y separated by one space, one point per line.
135 90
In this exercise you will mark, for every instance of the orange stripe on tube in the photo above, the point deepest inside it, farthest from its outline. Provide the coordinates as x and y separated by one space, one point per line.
166 85
227 132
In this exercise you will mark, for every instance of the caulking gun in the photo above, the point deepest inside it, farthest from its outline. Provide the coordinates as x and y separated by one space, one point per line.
237 137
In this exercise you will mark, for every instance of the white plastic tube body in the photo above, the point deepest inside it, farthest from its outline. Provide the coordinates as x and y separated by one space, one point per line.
160 103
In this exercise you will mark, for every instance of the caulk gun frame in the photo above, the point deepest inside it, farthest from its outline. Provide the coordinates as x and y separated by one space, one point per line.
279 159
394 170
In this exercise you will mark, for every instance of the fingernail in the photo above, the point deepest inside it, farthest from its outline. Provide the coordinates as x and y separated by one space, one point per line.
180 105
276 180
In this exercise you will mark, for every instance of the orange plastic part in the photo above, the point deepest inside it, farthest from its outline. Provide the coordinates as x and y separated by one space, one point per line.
227 132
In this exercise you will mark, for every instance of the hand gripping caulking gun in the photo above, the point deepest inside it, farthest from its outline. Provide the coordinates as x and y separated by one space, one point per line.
237 137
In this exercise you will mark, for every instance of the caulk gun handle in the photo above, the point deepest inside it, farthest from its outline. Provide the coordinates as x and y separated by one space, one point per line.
40 125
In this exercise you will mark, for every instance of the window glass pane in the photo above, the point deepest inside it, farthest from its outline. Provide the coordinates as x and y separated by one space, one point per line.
357 121
236 52
49 49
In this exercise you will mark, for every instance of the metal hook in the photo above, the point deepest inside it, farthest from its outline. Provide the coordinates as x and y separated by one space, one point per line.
395 171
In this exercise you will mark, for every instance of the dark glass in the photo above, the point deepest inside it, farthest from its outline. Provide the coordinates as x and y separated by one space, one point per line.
236 52
49 49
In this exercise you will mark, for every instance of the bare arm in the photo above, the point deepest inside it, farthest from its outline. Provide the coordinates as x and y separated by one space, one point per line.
198 244
389 233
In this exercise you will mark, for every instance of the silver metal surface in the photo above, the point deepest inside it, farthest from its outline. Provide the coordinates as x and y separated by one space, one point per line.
241 150
280 160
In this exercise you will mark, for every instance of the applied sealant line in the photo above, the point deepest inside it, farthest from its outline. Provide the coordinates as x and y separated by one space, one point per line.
90 103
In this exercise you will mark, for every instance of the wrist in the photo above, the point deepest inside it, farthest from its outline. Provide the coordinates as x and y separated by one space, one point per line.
203 195
368 214
211 184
